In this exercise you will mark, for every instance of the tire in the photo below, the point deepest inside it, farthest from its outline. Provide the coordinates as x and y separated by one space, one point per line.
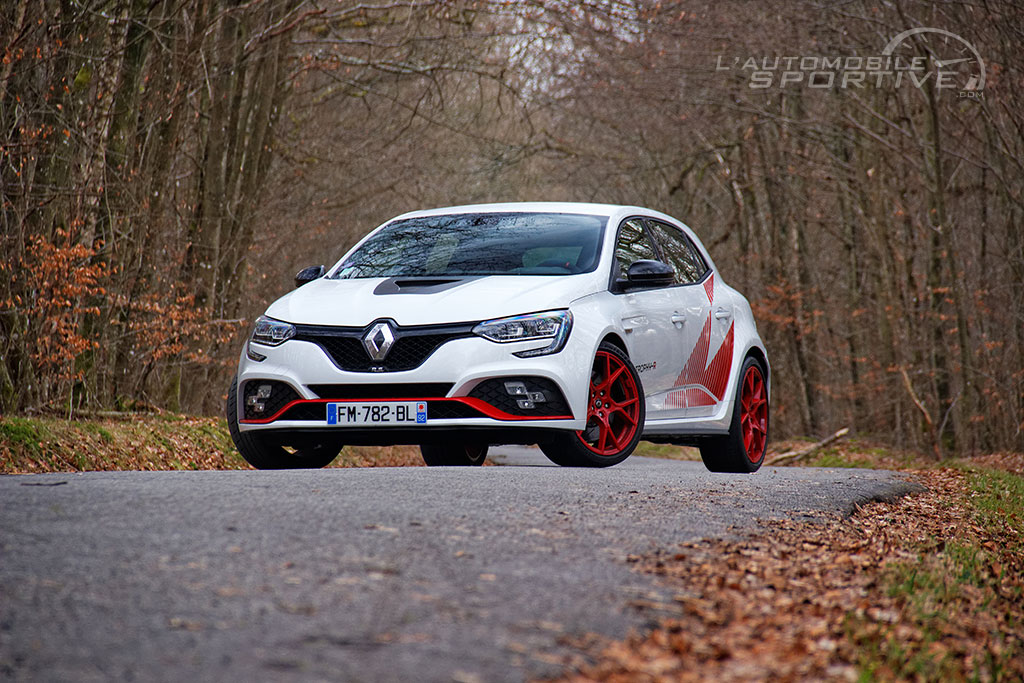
453 455
614 424
743 450
262 454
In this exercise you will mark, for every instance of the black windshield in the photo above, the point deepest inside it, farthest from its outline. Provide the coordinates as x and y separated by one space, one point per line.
480 244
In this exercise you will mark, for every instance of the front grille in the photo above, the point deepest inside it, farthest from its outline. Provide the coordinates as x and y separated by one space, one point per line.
404 390
413 345
280 395
493 391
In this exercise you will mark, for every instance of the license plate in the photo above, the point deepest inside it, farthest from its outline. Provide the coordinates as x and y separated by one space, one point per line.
377 413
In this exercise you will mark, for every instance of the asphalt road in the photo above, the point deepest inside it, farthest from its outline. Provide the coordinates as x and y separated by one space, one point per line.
414 574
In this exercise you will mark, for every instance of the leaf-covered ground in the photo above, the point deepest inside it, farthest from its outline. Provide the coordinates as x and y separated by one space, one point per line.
146 441
930 587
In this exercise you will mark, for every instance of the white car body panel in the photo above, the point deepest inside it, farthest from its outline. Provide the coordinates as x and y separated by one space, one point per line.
659 327
352 302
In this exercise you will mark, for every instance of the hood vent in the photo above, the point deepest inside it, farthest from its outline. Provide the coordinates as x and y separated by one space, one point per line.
420 285
405 284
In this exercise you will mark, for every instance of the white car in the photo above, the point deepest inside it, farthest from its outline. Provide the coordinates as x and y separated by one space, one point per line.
578 327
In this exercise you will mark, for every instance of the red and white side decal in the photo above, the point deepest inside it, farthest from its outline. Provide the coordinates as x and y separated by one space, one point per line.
703 383
709 287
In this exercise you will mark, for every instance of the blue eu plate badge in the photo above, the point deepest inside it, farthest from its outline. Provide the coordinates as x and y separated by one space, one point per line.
357 413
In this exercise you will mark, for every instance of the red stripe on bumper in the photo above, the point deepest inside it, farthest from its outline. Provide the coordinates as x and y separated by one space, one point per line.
484 407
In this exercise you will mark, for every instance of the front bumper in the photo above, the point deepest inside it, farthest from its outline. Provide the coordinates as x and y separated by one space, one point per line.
457 381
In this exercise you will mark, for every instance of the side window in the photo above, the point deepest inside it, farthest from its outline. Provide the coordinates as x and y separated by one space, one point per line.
680 252
633 246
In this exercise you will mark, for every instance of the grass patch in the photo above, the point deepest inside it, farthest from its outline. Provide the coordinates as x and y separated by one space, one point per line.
99 431
998 498
129 442
834 458
967 587
667 451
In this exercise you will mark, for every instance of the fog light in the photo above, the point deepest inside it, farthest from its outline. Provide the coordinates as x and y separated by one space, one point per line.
255 402
516 389
525 403
538 397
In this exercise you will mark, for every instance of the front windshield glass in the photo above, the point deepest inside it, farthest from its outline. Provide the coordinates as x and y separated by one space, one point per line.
480 244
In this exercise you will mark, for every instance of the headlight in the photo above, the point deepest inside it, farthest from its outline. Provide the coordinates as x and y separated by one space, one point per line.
553 325
272 332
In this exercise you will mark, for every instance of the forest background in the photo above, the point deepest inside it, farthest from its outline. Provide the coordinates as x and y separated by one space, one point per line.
167 165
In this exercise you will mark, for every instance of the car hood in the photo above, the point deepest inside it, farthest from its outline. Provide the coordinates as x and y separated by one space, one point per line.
359 302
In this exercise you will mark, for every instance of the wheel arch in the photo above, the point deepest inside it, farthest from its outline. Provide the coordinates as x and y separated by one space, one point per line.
615 340
758 354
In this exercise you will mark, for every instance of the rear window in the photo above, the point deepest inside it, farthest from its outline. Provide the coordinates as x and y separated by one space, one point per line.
480 244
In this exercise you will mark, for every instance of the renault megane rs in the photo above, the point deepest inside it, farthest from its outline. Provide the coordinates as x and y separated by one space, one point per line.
582 328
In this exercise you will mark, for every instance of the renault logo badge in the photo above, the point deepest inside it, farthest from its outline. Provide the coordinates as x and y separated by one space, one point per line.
378 341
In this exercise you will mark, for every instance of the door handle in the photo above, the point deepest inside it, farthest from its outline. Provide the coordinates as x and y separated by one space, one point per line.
678 318
721 314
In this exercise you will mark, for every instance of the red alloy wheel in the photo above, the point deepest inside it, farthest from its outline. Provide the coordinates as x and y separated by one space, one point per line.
754 415
613 407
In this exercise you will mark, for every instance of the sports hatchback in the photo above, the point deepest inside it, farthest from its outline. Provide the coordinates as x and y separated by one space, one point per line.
582 328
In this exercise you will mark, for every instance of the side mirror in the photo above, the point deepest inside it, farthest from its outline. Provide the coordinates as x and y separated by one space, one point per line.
308 275
648 273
